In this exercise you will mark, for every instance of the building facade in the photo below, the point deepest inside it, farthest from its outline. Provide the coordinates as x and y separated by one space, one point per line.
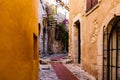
94 37
49 17
18 39
43 38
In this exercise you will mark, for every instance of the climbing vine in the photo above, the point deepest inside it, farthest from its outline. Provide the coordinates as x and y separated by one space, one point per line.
62 34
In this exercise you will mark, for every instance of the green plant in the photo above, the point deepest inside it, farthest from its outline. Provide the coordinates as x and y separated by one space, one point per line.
63 34
51 18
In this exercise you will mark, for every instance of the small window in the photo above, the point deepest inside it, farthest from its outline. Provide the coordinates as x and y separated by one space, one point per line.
90 4
34 46
39 28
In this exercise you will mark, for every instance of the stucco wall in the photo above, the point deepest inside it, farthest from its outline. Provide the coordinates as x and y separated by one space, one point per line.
91 31
18 22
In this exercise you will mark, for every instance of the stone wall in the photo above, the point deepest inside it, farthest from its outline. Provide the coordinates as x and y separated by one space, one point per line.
42 15
92 24
54 46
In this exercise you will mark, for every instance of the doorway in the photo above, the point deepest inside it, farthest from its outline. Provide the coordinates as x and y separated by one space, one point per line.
111 51
78 41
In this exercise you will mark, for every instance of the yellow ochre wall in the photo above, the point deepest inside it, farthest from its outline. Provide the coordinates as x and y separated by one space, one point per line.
18 22
91 24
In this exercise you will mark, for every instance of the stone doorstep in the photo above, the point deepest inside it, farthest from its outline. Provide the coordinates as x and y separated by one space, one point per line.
56 62
43 62
47 68
49 62
66 61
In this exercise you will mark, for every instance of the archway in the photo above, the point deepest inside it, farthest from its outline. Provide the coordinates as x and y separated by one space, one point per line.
111 50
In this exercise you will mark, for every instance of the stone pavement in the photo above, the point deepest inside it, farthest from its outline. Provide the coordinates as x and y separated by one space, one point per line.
59 70
47 73
62 72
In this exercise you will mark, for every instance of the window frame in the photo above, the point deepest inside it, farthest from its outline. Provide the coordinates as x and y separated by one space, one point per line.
91 5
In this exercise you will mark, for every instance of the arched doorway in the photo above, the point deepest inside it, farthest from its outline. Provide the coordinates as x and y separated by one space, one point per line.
111 50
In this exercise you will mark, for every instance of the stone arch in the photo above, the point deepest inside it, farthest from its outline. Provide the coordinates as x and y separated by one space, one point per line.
108 20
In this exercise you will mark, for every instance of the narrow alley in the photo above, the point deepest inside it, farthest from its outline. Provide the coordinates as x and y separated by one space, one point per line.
88 31
60 39
60 67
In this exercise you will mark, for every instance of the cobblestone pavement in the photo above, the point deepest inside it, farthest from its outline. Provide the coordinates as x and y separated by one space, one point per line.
78 72
47 72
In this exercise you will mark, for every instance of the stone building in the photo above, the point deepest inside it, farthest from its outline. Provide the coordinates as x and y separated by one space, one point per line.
94 37
42 15
50 12
18 39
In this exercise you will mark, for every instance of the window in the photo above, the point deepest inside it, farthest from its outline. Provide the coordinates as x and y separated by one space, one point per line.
111 51
34 46
90 4
39 28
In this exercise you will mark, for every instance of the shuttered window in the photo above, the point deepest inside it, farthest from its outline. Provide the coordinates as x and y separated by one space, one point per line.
90 4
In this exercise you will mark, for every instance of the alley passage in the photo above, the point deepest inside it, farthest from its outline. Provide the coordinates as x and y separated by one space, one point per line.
53 69
60 67
62 72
